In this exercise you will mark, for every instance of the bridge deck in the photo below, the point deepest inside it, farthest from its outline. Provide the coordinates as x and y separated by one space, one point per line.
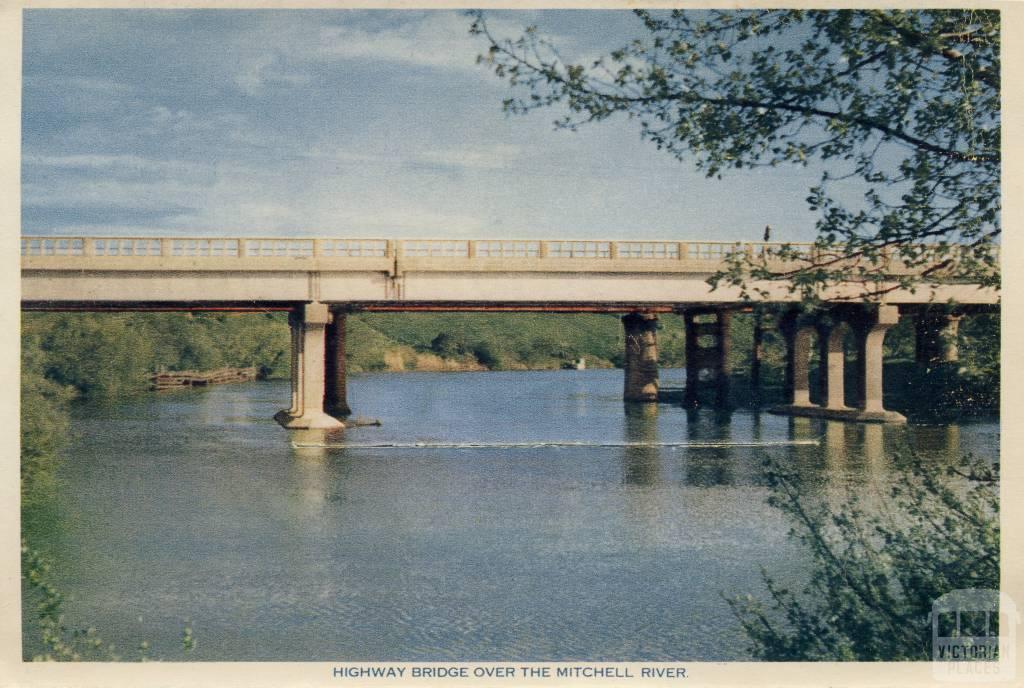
381 274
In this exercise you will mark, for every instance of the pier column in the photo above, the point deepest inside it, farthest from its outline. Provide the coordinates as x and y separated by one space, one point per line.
308 373
822 329
936 338
707 350
870 334
757 353
799 351
294 329
335 395
798 356
641 362
724 367
833 364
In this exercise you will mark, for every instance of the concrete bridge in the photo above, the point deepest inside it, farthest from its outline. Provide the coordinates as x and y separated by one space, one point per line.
319 280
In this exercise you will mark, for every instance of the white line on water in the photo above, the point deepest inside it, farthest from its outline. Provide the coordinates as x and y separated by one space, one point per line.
536 445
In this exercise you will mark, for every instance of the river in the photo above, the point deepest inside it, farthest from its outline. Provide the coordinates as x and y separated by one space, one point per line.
606 533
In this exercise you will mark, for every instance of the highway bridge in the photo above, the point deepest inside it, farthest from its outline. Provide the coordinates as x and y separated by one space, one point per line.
319 280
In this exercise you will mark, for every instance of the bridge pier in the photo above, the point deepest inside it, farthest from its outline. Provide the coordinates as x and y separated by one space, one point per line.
870 332
335 394
756 356
707 350
936 337
641 361
832 364
869 328
308 357
798 357
295 362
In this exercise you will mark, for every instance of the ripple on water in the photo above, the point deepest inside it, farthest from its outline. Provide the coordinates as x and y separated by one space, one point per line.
196 506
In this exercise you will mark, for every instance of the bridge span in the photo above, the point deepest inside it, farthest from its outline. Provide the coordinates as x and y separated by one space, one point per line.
319 280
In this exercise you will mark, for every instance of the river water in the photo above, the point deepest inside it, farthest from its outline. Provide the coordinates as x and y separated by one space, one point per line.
195 508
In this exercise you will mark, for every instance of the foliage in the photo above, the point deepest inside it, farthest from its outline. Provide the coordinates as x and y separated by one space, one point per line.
44 423
485 354
59 641
979 346
531 340
104 355
877 572
900 107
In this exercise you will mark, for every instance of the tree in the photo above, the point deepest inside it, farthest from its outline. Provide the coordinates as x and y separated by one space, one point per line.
876 573
903 104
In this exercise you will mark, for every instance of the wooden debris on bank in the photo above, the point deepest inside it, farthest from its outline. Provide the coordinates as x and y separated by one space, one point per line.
177 379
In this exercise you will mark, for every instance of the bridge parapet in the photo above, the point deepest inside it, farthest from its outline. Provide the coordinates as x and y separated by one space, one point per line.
440 254
394 257
204 247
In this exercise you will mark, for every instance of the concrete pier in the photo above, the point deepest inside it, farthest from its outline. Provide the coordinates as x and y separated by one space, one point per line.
797 336
308 355
295 363
936 337
832 365
707 355
641 362
869 325
335 393
756 355
870 334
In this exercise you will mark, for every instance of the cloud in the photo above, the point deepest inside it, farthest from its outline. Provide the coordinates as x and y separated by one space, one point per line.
259 72
114 164
428 42
435 39
139 194
99 85
494 156
482 157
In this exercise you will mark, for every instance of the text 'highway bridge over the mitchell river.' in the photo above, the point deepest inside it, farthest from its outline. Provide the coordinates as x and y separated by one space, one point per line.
319 280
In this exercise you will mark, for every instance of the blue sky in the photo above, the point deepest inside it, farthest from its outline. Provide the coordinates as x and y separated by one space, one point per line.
346 123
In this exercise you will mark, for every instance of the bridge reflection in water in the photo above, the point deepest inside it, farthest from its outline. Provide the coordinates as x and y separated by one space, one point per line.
707 457
194 505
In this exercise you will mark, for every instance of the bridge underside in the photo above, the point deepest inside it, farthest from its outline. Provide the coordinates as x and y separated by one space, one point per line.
366 306
622 307
318 347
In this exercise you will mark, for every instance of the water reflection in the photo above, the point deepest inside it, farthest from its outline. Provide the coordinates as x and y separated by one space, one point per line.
642 463
835 442
937 440
312 472
442 552
873 446
709 466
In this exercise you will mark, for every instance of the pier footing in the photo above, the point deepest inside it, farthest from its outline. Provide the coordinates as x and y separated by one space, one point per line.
308 421
848 414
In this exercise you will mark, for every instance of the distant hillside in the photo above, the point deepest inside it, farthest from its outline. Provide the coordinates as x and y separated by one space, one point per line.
502 341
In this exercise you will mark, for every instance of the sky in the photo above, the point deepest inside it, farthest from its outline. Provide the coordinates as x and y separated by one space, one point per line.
347 123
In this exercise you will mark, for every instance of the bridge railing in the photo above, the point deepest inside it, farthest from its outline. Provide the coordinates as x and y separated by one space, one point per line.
102 247
586 251
203 247
589 249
